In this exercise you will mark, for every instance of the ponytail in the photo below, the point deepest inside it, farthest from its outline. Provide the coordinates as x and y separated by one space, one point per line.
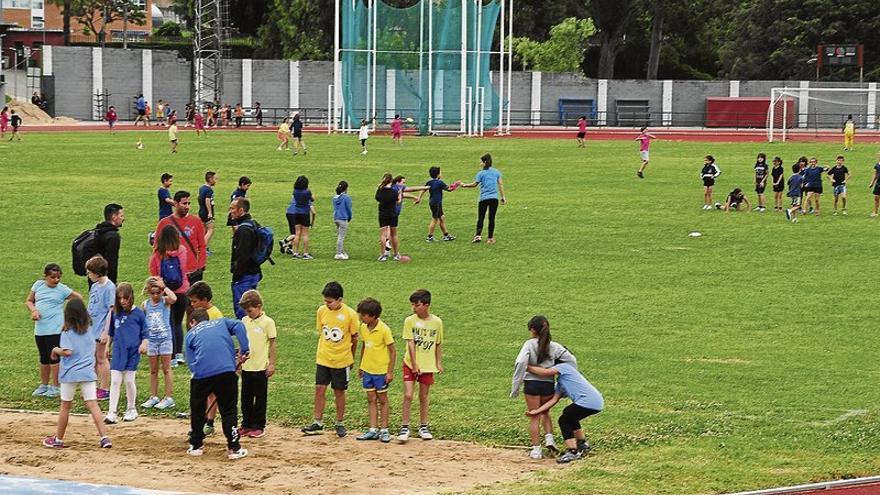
342 187
541 327
386 179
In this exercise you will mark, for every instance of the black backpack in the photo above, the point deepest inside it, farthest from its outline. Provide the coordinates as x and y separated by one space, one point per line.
84 247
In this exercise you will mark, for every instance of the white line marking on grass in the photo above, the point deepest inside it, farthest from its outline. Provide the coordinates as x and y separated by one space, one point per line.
843 417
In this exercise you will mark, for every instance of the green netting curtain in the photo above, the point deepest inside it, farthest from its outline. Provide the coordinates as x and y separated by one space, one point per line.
418 62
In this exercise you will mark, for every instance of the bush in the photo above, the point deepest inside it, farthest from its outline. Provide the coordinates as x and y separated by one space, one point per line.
168 30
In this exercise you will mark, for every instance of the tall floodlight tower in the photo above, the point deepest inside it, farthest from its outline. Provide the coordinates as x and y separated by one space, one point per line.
209 49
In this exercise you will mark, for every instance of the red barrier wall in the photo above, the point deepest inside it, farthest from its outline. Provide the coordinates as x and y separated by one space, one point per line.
745 112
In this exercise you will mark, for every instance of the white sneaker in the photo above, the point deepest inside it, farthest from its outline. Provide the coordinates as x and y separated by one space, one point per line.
150 403
344 256
165 403
110 419
130 415
536 453
238 454
403 435
425 433
364 152
195 452
338 257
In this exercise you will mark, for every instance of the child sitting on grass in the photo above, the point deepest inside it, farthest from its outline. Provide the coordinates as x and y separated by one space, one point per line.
77 353
46 304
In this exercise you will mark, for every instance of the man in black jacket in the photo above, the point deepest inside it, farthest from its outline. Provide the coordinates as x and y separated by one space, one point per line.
108 238
246 273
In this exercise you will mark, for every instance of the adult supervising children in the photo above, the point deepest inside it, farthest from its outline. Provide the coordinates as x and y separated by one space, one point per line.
206 207
299 220
491 190
585 401
246 273
108 240
644 138
839 175
213 361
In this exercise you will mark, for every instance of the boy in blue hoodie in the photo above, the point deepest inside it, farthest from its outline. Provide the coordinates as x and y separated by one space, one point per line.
213 360
341 217
795 183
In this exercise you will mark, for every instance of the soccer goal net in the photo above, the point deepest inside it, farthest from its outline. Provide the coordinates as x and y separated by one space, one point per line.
793 109
428 62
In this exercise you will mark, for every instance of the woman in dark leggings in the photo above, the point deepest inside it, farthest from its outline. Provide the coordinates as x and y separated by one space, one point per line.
491 189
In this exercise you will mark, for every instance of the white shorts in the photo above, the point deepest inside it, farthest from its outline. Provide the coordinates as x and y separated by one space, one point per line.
644 155
89 390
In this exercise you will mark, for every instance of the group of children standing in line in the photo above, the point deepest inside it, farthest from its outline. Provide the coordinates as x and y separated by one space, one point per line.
805 186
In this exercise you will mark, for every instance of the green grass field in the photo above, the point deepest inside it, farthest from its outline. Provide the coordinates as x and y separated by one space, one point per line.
742 359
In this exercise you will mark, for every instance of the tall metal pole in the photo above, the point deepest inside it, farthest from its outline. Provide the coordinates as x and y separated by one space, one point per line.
501 72
421 52
478 73
509 63
375 51
430 68
463 104
337 77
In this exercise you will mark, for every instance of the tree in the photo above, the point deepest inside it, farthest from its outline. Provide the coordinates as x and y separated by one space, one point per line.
66 12
562 52
94 15
612 19
297 29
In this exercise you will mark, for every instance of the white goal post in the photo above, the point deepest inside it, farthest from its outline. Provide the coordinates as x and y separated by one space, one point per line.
820 108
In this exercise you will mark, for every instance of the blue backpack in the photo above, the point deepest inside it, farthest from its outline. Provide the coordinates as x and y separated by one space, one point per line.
171 273
265 242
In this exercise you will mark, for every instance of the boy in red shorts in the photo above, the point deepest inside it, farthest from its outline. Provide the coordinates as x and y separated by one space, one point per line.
423 333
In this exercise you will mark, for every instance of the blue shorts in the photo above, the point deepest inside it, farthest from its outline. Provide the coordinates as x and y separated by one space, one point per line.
374 382
125 359
161 347
841 189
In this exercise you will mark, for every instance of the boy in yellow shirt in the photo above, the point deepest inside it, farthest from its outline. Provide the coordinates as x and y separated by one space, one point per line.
256 371
337 326
172 135
423 333
378 357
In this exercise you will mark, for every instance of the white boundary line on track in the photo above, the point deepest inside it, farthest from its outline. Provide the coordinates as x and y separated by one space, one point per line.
814 486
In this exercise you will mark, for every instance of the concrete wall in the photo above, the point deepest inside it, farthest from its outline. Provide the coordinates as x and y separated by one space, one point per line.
534 100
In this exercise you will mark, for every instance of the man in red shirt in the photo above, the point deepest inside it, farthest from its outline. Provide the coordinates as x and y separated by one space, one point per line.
192 235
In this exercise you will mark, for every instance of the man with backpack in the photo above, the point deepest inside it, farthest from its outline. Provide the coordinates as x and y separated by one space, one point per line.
251 246
103 240
192 235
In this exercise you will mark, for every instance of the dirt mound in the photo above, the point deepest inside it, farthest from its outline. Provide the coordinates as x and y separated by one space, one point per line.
32 114
150 453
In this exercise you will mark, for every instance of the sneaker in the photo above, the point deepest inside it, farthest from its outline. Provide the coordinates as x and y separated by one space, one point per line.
307 256
396 257
130 415
364 152
166 403
179 358
403 434
339 257
834 214
53 443
387 246
448 237
552 448
102 394
236 454
340 430
369 435
110 419
384 257
243 432
843 212
344 256
490 240
150 403
762 209
583 447
195 452
52 391
430 238
174 363
873 215
384 436
40 391
425 433
640 175
568 456
294 255
256 433
105 443
208 430
476 239
313 429
536 453
282 247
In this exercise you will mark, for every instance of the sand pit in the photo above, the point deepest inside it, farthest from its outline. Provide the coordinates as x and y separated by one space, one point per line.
33 115
150 453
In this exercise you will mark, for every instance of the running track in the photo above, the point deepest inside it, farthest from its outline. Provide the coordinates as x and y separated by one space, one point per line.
691 134
858 486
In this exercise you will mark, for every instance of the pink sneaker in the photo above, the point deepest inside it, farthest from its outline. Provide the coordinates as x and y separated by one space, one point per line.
103 394
256 433
53 443
245 432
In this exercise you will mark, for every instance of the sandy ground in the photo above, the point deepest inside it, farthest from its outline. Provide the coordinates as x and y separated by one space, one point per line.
32 114
150 453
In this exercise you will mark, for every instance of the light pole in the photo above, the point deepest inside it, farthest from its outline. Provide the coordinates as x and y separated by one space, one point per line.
14 72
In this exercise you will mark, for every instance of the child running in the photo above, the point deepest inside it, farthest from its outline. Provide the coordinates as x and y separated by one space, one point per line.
585 401
839 175
539 350
129 337
363 134
435 188
709 173
46 304
644 138
795 183
16 122
341 217
4 121
761 172
76 350
337 326
256 371
423 358
157 310
283 135
378 358
582 131
778 175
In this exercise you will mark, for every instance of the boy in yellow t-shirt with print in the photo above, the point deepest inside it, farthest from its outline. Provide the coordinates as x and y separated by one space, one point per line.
337 326
423 333
378 357
256 371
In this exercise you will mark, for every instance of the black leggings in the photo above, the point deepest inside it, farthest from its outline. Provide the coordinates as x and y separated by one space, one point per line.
178 312
570 420
254 389
492 206
225 387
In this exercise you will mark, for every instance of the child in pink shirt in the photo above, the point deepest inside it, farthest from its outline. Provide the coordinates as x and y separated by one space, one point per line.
644 140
